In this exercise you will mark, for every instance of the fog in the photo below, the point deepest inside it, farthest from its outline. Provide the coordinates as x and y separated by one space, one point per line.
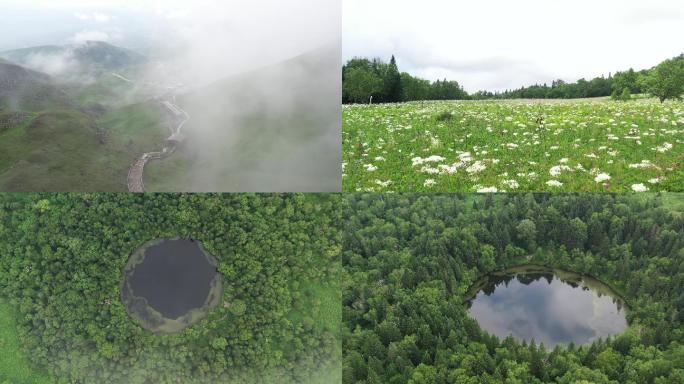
259 80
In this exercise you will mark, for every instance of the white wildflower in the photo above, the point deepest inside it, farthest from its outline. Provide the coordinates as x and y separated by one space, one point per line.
664 148
602 177
512 184
556 170
639 188
429 170
476 167
431 159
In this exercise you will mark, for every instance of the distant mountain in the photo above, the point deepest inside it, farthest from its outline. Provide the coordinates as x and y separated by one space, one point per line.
91 55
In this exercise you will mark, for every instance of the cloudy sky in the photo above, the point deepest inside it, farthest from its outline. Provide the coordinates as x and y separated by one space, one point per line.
502 44
243 32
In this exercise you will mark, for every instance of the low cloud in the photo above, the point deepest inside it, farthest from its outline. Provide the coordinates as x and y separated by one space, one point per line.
52 64
95 16
652 16
90 35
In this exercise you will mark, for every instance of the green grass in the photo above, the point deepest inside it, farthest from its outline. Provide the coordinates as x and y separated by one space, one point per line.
500 145
15 368
62 150
322 303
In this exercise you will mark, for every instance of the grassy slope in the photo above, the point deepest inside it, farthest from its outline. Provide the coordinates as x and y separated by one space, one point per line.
50 151
14 366
132 130
60 147
60 150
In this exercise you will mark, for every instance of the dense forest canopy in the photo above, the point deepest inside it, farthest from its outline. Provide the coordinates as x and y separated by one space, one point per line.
363 78
410 259
61 262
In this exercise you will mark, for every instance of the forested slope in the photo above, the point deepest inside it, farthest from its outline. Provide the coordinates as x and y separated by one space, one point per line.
409 260
61 261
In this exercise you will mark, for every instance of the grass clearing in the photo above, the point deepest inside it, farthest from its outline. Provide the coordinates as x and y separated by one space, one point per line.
588 145
14 366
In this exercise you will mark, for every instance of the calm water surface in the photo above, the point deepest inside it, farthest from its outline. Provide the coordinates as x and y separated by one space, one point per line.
549 306
174 277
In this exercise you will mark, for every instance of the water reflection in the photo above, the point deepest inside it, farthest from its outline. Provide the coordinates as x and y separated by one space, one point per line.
537 304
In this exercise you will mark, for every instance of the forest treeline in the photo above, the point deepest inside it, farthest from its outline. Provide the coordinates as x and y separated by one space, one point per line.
363 78
410 260
61 262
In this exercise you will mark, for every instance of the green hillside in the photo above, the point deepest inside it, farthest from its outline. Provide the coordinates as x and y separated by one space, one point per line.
15 367
69 149
61 135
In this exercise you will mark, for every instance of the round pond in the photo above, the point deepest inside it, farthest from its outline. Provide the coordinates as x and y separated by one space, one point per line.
170 284
548 305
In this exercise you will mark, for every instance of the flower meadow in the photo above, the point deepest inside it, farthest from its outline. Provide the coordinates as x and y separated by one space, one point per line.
587 145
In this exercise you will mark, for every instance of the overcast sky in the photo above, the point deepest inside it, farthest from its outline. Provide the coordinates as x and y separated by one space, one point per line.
256 32
502 44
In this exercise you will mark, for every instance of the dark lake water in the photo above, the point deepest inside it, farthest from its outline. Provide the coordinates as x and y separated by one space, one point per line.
174 277
549 306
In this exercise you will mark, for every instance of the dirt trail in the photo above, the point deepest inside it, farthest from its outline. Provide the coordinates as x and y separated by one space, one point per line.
137 171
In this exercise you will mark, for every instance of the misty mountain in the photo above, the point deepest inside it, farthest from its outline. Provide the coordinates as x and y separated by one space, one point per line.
68 59
276 128
271 129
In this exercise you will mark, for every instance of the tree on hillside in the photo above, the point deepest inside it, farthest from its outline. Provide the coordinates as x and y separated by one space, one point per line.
626 95
666 81
614 95
393 90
